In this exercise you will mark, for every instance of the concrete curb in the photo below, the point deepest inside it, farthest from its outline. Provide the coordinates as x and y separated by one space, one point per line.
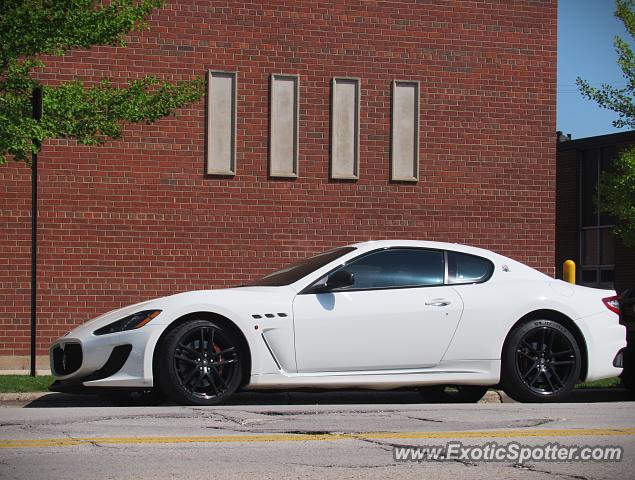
21 397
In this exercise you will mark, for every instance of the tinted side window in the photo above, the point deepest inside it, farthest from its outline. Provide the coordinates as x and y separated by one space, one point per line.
398 268
464 268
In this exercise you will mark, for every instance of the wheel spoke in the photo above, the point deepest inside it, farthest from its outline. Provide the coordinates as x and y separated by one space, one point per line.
563 362
563 352
188 378
543 343
201 349
528 346
185 359
210 345
533 380
529 370
524 354
553 389
212 383
225 352
218 375
555 374
552 337
199 380
187 349
223 362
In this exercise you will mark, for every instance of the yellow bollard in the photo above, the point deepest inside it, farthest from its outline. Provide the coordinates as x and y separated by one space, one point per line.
568 271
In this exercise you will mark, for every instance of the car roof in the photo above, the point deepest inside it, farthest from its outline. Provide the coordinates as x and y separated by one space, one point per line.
374 244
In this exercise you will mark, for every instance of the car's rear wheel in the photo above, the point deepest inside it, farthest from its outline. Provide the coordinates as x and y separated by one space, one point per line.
452 393
200 363
541 362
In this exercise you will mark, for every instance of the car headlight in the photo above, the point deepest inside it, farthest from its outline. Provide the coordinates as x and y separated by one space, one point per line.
131 322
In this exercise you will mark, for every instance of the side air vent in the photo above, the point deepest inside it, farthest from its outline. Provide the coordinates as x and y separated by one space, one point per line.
269 315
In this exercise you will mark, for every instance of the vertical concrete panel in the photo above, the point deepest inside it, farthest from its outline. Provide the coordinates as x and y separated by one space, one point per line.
283 160
405 131
345 128
221 123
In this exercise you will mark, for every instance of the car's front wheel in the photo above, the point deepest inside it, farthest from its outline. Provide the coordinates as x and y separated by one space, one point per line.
541 362
199 364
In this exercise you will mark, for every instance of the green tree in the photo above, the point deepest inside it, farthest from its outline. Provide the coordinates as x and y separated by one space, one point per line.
88 113
617 187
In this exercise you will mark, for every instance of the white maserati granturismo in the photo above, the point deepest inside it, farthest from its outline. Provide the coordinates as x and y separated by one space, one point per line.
447 319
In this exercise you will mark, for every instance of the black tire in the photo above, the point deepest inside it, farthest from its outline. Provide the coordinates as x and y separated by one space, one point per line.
137 398
199 364
541 362
452 393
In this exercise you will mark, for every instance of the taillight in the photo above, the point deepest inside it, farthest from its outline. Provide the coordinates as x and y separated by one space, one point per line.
612 303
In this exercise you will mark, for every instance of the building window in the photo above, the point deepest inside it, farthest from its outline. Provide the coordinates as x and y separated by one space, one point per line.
345 128
597 258
405 131
284 119
221 123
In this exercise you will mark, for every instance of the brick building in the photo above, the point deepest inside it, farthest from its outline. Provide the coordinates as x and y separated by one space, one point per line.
348 121
583 233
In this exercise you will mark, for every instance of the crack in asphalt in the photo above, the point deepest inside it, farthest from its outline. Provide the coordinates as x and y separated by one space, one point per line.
292 413
223 417
341 466
53 423
388 447
423 419
530 468
531 422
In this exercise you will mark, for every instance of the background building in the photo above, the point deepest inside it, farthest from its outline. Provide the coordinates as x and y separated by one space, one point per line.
583 234
452 140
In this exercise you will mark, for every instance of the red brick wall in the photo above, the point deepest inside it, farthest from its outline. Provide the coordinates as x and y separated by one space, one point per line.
138 218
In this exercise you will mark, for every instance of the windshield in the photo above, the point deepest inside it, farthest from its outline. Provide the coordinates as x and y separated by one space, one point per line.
295 272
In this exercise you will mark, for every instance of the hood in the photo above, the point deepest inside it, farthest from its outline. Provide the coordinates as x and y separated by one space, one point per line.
172 304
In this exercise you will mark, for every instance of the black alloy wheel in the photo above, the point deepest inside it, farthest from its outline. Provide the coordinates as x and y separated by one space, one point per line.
200 364
541 362
452 393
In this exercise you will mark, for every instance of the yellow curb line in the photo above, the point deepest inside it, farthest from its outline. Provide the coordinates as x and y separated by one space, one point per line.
68 442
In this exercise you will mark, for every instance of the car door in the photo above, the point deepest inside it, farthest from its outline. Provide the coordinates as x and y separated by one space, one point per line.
397 314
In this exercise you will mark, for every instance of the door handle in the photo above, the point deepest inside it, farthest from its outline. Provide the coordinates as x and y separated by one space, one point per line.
439 302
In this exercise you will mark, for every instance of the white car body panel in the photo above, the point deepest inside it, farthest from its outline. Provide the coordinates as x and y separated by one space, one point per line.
394 340
404 328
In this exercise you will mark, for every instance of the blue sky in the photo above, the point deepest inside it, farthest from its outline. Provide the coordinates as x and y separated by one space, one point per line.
586 29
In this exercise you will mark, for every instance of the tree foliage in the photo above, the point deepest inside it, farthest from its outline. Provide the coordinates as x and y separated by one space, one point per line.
617 187
89 113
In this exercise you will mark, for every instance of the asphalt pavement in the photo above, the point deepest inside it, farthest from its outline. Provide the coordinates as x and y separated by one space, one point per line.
307 435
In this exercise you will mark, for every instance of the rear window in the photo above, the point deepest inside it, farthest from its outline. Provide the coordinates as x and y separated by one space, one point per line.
465 268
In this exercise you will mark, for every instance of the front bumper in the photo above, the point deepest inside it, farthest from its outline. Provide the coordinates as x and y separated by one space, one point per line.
115 362
80 359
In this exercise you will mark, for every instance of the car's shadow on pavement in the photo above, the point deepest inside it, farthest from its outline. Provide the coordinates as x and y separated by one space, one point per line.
341 397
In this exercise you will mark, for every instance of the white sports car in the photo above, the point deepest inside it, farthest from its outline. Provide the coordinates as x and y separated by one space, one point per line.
379 315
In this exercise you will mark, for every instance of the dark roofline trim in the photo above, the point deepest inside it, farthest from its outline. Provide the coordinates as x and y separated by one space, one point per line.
600 140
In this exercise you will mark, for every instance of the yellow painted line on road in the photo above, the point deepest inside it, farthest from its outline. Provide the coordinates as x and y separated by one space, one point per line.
260 438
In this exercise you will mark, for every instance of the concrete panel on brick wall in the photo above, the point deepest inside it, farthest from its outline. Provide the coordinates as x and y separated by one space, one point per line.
345 128
221 123
283 159
405 131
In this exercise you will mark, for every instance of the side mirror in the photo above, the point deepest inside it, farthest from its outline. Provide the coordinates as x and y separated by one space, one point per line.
340 279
